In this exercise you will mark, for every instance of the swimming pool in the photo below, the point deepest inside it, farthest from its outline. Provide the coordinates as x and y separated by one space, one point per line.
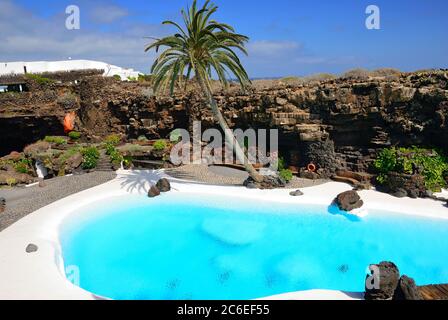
188 246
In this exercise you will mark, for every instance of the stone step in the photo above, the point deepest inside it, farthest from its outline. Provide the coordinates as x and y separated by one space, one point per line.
104 163
289 118
307 127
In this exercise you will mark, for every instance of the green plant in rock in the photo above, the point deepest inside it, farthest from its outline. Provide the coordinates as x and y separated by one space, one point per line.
434 167
286 174
385 162
127 161
114 154
430 163
113 139
90 157
283 172
160 145
74 135
281 164
116 157
109 148
39 79
56 140
22 166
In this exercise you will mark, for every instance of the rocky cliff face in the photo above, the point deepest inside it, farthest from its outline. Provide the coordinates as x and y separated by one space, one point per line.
357 117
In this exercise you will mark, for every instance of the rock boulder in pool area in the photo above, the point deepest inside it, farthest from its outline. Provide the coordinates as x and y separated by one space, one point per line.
388 277
153 192
349 201
407 290
163 185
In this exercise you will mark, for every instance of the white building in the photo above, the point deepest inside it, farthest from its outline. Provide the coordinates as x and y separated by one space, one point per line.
7 68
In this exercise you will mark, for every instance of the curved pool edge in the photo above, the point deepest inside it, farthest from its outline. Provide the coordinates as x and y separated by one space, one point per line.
40 275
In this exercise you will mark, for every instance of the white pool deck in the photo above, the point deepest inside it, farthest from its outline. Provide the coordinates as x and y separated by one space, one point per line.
40 275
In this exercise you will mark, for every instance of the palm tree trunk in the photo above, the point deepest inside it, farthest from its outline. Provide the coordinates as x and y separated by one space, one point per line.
228 134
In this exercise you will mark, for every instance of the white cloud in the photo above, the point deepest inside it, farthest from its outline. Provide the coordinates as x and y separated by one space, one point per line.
25 36
280 58
272 48
107 13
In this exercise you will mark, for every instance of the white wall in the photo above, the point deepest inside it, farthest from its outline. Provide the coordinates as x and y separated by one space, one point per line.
67 65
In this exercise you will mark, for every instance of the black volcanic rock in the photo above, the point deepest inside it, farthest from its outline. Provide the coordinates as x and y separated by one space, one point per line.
349 200
388 279
407 290
153 192
31 248
163 185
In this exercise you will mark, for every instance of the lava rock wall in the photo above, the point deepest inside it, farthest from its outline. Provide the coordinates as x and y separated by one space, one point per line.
357 117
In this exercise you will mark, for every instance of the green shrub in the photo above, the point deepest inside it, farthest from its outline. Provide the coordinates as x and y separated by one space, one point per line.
281 164
283 172
39 79
56 140
433 165
116 157
90 157
114 154
159 145
127 161
109 148
385 162
113 139
116 77
286 174
74 135
22 166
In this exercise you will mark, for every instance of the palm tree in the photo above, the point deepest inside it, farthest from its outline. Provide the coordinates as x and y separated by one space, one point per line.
203 46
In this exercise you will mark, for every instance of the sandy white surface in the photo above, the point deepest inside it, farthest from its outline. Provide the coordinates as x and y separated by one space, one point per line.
40 275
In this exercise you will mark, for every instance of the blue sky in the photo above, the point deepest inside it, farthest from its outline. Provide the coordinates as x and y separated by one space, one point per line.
288 37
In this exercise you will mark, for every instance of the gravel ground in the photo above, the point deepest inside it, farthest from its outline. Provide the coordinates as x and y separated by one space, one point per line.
226 176
21 201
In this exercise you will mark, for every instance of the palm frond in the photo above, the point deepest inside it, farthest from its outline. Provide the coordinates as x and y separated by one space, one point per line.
202 47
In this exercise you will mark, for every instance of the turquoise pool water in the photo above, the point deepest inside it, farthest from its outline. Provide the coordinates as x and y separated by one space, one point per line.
183 246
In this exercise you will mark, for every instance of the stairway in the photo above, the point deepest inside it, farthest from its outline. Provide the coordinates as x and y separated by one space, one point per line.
104 163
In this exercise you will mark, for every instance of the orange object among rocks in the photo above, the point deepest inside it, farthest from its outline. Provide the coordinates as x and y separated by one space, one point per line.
69 122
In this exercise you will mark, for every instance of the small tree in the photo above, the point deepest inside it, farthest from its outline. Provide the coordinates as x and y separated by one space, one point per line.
203 46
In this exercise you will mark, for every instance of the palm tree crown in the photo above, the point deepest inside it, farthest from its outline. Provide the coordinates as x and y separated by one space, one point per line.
202 47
